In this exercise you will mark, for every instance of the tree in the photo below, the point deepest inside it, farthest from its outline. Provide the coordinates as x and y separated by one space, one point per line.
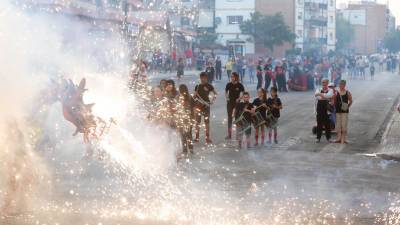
269 30
392 41
344 33
206 37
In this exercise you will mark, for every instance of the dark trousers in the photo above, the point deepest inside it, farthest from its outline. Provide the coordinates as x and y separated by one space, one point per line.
284 83
259 81
198 114
281 82
228 72
229 108
323 121
268 81
187 143
218 74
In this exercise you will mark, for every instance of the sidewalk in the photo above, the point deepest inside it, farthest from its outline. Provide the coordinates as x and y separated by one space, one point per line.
391 138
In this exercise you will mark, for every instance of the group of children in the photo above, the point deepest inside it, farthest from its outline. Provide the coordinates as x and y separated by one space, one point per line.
245 114
181 111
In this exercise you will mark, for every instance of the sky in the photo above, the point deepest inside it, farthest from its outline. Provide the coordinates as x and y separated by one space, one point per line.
394 6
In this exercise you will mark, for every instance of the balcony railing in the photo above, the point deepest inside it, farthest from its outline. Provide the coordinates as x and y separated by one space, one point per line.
317 41
316 21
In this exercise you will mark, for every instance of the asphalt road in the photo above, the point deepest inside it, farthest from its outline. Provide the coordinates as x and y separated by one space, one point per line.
294 182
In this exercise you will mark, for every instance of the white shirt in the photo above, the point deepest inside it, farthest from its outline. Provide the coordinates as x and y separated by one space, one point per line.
326 96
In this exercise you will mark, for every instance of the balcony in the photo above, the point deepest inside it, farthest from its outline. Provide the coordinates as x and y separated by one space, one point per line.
316 5
318 21
316 41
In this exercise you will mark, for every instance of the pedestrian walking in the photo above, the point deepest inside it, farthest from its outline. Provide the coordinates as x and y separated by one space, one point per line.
243 109
229 68
218 68
251 67
323 97
239 68
260 104
233 91
202 105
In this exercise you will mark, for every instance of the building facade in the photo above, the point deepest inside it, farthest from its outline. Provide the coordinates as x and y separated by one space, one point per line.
229 14
371 22
312 21
316 25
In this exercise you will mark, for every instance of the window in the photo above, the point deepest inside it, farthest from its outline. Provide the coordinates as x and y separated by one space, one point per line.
235 19
299 33
185 21
114 3
331 36
300 16
331 19
332 2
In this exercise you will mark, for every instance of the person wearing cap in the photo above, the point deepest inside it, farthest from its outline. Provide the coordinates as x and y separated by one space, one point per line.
323 97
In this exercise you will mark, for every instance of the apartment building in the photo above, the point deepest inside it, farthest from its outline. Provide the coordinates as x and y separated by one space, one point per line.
229 14
313 22
371 22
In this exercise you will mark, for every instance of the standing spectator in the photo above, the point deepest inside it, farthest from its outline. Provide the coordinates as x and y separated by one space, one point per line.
239 67
285 69
180 68
233 90
244 68
259 74
344 100
189 56
275 105
210 71
269 75
323 97
218 69
229 68
251 68
372 71
280 74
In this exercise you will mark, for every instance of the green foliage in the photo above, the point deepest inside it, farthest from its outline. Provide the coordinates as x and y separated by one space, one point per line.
270 30
344 33
392 41
206 37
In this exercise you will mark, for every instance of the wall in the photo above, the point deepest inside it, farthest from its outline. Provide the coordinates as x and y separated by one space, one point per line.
271 7
367 37
226 31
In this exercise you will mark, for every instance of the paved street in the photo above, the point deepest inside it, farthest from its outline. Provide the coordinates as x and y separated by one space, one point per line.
296 181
